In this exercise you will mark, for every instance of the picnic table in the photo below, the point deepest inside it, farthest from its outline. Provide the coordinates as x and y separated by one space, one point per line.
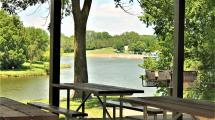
192 107
13 110
97 90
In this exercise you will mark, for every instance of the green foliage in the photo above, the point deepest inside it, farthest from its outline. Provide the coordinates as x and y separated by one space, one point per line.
137 47
13 5
135 42
150 63
36 42
97 40
94 40
199 38
151 44
67 43
118 43
12 43
19 44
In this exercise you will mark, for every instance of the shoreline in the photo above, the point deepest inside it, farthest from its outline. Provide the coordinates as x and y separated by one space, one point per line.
127 56
29 72
43 72
120 55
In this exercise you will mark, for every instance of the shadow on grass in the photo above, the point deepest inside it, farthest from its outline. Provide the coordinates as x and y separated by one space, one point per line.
91 102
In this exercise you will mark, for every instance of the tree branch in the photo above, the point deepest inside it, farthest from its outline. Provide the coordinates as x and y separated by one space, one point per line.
86 7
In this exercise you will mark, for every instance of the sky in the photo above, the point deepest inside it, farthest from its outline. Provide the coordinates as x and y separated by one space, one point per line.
104 16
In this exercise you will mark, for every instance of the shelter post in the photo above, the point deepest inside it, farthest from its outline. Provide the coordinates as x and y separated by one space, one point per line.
178 63
55 30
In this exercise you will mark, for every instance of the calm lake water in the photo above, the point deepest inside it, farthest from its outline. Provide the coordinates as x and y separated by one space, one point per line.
109 71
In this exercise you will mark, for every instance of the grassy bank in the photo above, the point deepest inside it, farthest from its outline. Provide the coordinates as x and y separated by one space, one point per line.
37 69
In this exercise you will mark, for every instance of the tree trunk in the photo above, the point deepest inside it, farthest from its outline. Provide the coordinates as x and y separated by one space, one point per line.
80 60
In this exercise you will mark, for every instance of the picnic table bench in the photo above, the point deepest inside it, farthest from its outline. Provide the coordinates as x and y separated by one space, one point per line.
192 107
58 110
126 105
13 110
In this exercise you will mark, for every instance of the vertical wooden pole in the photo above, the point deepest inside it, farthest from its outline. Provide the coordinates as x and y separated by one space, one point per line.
55 30
178 65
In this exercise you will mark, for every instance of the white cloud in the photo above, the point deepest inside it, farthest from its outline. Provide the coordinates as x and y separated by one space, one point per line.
37 16
103 17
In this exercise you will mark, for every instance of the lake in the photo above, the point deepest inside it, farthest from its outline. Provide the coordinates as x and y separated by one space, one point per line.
109 71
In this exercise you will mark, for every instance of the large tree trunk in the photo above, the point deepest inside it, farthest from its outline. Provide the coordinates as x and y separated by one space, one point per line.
80 61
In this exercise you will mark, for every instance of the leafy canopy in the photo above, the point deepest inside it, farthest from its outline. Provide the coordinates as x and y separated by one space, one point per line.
12 48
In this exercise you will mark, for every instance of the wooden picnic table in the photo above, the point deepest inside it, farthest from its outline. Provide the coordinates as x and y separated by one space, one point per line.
97 90
13 110
192 107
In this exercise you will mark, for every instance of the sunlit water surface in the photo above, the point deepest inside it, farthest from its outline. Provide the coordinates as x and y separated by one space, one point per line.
109 71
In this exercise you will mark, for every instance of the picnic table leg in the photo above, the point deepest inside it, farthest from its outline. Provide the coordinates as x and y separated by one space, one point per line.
121 107
114 112
83 102
104 107
68 99
177 116
83 98
145 112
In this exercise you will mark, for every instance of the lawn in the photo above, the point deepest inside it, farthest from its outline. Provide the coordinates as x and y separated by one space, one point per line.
38 69
92 107
108 50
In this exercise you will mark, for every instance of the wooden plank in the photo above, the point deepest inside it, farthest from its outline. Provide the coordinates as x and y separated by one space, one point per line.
5 112
177 105
68 113
136 108
98 89
13 110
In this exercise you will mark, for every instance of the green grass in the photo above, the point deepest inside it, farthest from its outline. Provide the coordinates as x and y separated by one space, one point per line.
68 54
38 69
92 106
108 50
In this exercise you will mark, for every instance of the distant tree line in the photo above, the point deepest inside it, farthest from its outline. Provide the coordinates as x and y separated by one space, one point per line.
136 43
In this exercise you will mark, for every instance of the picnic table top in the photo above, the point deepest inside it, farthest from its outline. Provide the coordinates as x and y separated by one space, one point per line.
193 107
98 89
11 110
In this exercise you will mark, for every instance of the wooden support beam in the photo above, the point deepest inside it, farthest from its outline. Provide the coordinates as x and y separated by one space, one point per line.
55 30
178 65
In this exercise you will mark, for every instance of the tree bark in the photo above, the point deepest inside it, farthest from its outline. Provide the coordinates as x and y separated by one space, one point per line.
80 60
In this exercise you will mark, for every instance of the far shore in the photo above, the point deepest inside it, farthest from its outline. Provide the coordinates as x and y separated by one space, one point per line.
128 56
108 53
116 55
